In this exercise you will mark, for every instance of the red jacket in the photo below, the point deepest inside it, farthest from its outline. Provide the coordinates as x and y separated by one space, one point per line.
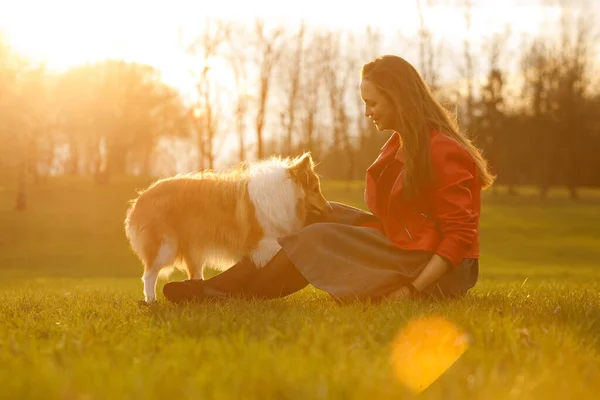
444 219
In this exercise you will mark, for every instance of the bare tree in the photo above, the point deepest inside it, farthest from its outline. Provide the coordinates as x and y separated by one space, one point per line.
491 136
309 99
238 59
205 47
574 66
539 73
557 80
338 72
27 118
429 54
126 108
33 108
369 141
268 50
291 74
468 69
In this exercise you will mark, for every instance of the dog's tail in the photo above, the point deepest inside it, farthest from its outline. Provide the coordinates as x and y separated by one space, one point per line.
132 228
155 248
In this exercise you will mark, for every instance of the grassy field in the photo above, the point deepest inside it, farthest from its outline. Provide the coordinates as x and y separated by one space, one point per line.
70 326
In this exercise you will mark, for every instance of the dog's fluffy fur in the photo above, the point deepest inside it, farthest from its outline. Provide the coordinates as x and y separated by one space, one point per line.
218 218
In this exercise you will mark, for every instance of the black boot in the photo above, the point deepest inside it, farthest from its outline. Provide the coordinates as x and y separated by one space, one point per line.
188 290
278 278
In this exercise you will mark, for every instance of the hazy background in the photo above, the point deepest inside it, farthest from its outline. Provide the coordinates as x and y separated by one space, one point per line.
113 88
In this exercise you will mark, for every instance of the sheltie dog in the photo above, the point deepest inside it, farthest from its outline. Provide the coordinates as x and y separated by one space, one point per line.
218 218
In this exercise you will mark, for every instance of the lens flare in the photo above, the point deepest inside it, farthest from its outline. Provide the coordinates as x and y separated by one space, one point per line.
425 349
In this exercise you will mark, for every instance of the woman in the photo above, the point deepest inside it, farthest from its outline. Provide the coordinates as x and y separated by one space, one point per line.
423 191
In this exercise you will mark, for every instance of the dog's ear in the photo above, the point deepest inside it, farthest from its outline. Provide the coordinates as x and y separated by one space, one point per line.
301 168
305 162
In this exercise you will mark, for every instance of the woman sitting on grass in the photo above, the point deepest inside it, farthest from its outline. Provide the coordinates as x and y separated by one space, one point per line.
422 235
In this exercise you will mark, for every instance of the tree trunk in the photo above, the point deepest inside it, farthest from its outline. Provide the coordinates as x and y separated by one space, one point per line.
201 145
241 127
22 187
573 193
73 163
260 118
147 153
242 145
544 191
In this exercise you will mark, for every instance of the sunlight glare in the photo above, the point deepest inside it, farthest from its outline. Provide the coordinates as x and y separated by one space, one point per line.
64 33
425 349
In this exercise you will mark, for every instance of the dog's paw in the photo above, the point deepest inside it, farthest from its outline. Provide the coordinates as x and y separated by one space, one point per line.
143 303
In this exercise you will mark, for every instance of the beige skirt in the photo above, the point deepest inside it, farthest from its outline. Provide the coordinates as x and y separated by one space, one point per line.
351 262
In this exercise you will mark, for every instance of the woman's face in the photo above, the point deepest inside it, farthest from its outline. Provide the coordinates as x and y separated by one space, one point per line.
377 106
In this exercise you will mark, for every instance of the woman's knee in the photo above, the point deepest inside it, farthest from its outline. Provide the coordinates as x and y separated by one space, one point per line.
316 232
308 238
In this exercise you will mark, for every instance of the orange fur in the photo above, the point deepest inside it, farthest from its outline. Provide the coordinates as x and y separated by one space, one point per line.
193 210
207 218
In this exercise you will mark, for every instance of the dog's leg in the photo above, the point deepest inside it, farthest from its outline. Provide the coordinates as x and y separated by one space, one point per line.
266 250
194 261
149 278
165 257
198 274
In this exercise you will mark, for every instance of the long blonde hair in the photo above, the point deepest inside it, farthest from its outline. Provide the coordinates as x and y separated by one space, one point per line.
417 114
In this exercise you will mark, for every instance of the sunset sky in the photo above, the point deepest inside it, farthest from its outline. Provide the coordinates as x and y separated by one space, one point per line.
67 32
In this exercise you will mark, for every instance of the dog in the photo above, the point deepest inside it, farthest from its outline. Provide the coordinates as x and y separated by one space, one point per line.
218 218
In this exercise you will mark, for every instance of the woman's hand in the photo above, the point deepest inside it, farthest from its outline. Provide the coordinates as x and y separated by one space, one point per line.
435 268
404 293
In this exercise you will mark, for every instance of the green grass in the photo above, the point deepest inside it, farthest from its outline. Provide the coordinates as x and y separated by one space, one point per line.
70 326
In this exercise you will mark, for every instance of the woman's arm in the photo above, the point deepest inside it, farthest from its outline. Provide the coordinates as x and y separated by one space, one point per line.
435 268
452 202
452 198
